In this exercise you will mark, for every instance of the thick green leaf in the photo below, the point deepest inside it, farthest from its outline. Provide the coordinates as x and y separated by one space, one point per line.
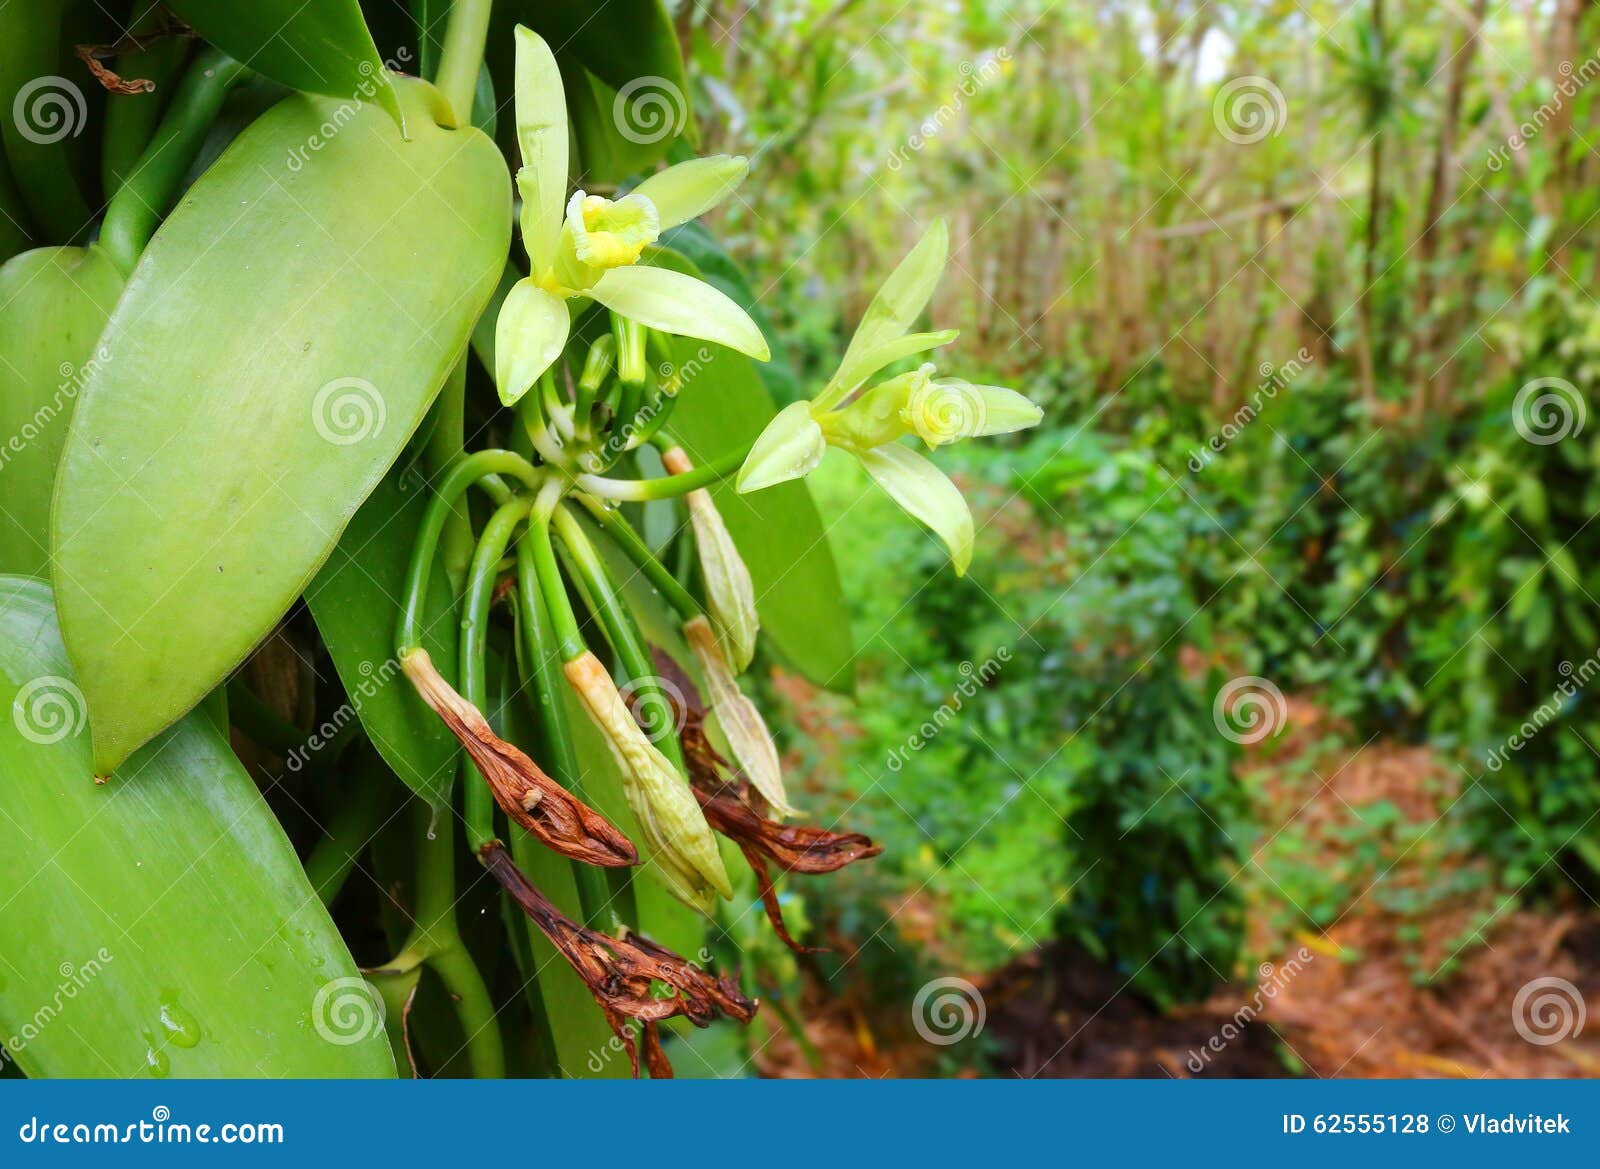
278 343
159 924
355 600
723 407
322 47
53 304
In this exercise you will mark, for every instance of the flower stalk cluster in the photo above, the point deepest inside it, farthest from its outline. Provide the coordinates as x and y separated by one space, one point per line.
582 356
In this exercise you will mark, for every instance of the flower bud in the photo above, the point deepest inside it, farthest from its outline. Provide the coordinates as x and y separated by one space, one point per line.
677 837
597 365
730 596
741 723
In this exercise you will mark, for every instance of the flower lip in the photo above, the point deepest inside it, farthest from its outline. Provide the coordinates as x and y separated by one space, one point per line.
611 233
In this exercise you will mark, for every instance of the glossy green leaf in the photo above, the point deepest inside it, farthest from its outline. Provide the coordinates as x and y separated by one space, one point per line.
42 113
355 600
278 343
53 304
159 924
322 47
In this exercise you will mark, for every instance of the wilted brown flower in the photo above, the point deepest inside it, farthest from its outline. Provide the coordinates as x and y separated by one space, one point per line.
735 809
619 971
529 796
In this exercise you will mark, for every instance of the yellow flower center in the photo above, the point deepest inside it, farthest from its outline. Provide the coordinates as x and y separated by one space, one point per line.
612 233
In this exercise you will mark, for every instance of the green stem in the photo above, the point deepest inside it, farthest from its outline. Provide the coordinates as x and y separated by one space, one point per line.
436 940
621 533
137 208
564 623
549 688
462 474
462 57
445 443
633 653
474 1010
360 814
131 118
666 487
477 804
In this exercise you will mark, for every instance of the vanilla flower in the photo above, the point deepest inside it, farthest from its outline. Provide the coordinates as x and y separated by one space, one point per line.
588 247
869 425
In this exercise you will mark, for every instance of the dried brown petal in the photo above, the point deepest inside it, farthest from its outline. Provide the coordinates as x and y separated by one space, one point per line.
527 795
620 971
734 808
794 848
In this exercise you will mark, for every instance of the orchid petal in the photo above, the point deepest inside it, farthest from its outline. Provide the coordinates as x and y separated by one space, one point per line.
542 134
892 311
529 335
927 495
789 448
692 188
675 303
943 411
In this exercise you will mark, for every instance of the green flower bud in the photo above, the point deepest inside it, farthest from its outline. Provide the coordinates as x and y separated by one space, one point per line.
597 366
730 595
741 723
676 835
